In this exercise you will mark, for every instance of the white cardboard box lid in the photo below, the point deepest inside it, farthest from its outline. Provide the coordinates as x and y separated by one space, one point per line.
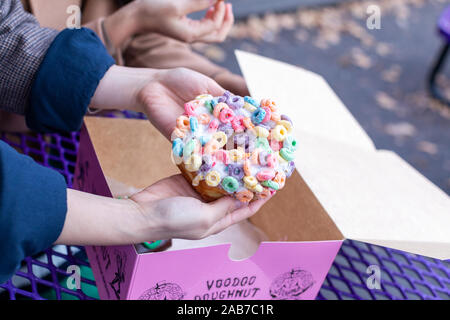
372 196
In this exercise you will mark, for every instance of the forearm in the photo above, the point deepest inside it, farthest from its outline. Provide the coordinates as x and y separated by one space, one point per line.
122 25
95 220
119 88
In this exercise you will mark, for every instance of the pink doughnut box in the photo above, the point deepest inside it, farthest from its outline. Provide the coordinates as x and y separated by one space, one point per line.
343 188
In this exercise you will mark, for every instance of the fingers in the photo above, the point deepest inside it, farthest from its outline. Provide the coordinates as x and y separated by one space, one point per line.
235 213
221 33
214 88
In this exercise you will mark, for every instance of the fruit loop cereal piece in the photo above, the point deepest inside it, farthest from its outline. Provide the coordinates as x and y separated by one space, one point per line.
286 118
193 163
258 116
213 126
227 129
177 133
236 171
275 117
263 158
250 181
258 188
222 156
236 155
268 114
204 118
275 145
269 104
264 194
197 179
280 178
205 168
230 184
248 123
177 147
204 97
190 107
183 123
211 147
279 133
261 132
265 174
287 154
238 124
287 125
245 196
281 159
290 169
251 101
235 102
226 115
255 156
189 149
262 143
193 124
213 178
218 109
221 138
226 95
290 143
247 167
209 106
271 184
249 107
272 160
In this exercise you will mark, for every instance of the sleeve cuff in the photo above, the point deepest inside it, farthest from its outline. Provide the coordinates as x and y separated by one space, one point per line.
66 81
33 207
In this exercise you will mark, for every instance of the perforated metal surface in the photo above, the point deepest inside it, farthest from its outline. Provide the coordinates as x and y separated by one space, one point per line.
403 276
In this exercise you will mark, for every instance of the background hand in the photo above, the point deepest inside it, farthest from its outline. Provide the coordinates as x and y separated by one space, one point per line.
172 209
170 18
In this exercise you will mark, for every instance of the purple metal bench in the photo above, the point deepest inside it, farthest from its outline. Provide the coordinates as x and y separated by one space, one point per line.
403 275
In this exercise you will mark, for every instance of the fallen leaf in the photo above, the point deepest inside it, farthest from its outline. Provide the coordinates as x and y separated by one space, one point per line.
401 129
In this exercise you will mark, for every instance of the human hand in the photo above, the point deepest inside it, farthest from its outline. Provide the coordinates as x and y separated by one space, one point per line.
172 209
163 97
170 18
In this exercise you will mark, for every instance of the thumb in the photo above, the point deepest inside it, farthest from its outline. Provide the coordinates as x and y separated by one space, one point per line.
225 205
189 6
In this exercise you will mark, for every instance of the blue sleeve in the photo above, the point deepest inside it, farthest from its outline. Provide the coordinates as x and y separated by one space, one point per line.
66 81
33 206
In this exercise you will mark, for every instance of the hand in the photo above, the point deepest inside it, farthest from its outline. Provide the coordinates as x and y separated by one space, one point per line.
172 209
163 97
170 18
169 209
161 94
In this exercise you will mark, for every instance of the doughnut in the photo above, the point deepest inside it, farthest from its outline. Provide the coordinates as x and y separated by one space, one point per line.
234 146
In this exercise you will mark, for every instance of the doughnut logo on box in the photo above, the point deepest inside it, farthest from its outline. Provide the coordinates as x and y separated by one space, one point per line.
291 285
163 291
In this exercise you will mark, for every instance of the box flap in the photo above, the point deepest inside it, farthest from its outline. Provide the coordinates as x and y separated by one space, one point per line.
372 196
314 106
130 152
